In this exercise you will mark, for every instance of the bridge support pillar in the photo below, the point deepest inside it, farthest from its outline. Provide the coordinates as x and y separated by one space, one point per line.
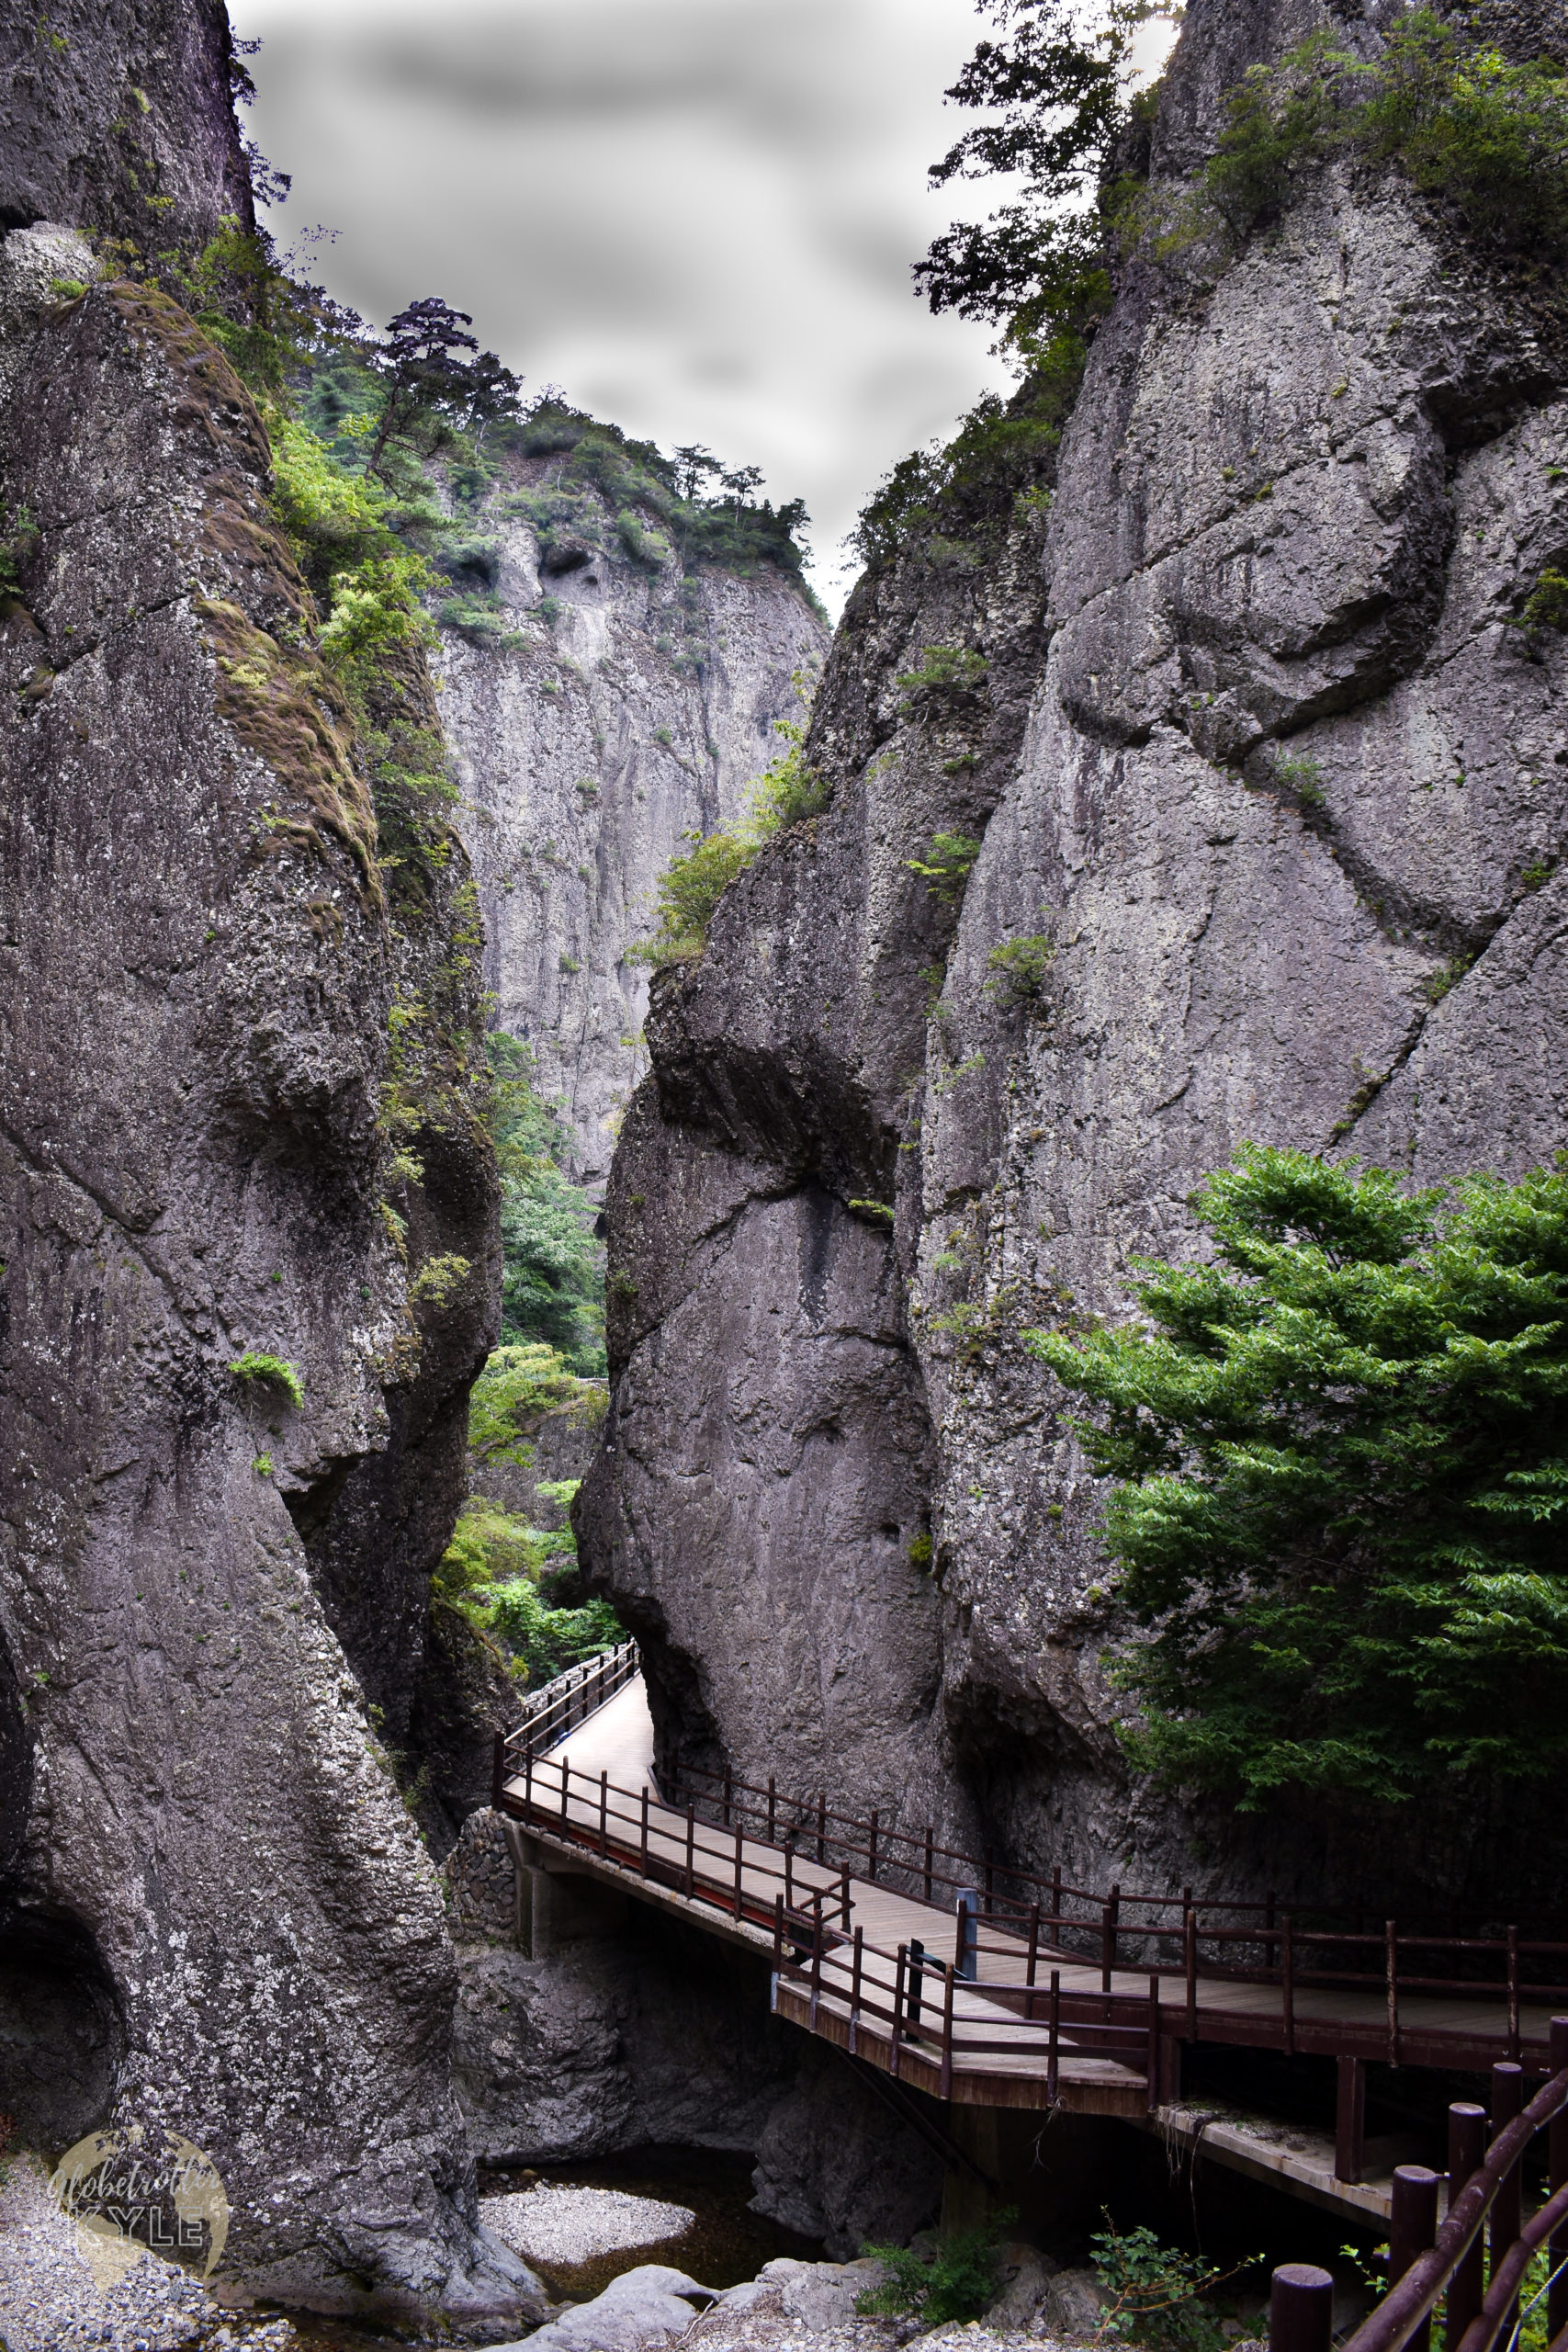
1350 2119
1055 2168
967 2200
557 1907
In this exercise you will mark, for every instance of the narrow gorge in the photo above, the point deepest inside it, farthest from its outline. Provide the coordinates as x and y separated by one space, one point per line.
436 841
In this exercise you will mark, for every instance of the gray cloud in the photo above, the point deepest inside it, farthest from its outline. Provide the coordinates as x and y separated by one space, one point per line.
696 216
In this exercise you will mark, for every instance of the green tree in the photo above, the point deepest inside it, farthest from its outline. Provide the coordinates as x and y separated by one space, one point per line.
1342 1449
1488 138
552 1286
1055 101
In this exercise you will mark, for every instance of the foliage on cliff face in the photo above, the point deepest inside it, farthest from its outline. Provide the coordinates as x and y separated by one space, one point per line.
1343 1453
1484 137
1054 97
1487 138
702 512
553 1281
786 793
499 1571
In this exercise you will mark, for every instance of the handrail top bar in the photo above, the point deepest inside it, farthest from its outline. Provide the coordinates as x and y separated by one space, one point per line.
1109 1910
1412 2298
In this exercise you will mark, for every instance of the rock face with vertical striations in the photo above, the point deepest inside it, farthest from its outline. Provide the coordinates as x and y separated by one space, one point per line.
1254 751
616 703
216 1916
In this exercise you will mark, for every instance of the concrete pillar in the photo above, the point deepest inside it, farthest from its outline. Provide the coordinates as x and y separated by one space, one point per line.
557 1907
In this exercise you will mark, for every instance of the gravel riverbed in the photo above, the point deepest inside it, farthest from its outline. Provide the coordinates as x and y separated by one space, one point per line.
562 2225
61 2293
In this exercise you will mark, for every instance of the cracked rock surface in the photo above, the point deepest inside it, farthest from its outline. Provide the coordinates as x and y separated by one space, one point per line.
1262 756
639 710
215 1913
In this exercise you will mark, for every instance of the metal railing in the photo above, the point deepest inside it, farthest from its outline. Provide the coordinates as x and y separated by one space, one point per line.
567 1700
1246 1943
889 2013
1117 1932
618 1826
1427 2264
884 1993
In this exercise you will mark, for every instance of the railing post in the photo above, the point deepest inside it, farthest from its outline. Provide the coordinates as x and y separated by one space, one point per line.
871 1857
1033 1955
1507 2213
855 1965
1108 1936
1467 2154
778 1933
1056 2031
823 1827
1391 1946
845 1896
898 2009
1513 1993
1300 2308
528 1780
1411 2229
966 1937
565 1776
772 1812
1152 2061
917 1982
498 1771
1288 1983
817 1943
691 1852
1557 2177
789 1873
1190 1957
930 1835
944 2081
739 1884
1350 2120
645 1829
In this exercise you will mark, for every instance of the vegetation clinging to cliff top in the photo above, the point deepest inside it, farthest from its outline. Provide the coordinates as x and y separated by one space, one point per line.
1343 1450
1488 137
692 884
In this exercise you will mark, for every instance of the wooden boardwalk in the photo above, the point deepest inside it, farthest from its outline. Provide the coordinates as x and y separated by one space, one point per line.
884 1974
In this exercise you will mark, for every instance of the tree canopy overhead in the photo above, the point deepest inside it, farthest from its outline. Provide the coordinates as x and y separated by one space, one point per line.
1342 1449
1055 92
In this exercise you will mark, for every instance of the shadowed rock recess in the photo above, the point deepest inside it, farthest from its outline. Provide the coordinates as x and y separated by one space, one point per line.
215 1913
1258 749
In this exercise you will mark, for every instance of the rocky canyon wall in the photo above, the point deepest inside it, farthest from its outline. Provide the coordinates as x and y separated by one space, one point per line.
615 703
1253 748
216 1918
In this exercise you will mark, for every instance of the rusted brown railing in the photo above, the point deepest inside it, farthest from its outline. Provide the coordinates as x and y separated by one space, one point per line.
1426 2262
909 2013
1180 1935
615 1826
567 1700
1183 1939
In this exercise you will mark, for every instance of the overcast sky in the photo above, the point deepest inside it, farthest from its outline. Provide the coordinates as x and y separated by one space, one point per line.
696 217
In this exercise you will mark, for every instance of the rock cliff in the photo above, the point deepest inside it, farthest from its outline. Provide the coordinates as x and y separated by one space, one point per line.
216 1918
1268 792
613 702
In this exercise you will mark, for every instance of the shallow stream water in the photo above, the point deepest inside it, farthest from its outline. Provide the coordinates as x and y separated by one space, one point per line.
723 2245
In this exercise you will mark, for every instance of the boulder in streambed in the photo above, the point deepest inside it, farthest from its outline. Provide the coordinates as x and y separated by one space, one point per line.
650 2306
